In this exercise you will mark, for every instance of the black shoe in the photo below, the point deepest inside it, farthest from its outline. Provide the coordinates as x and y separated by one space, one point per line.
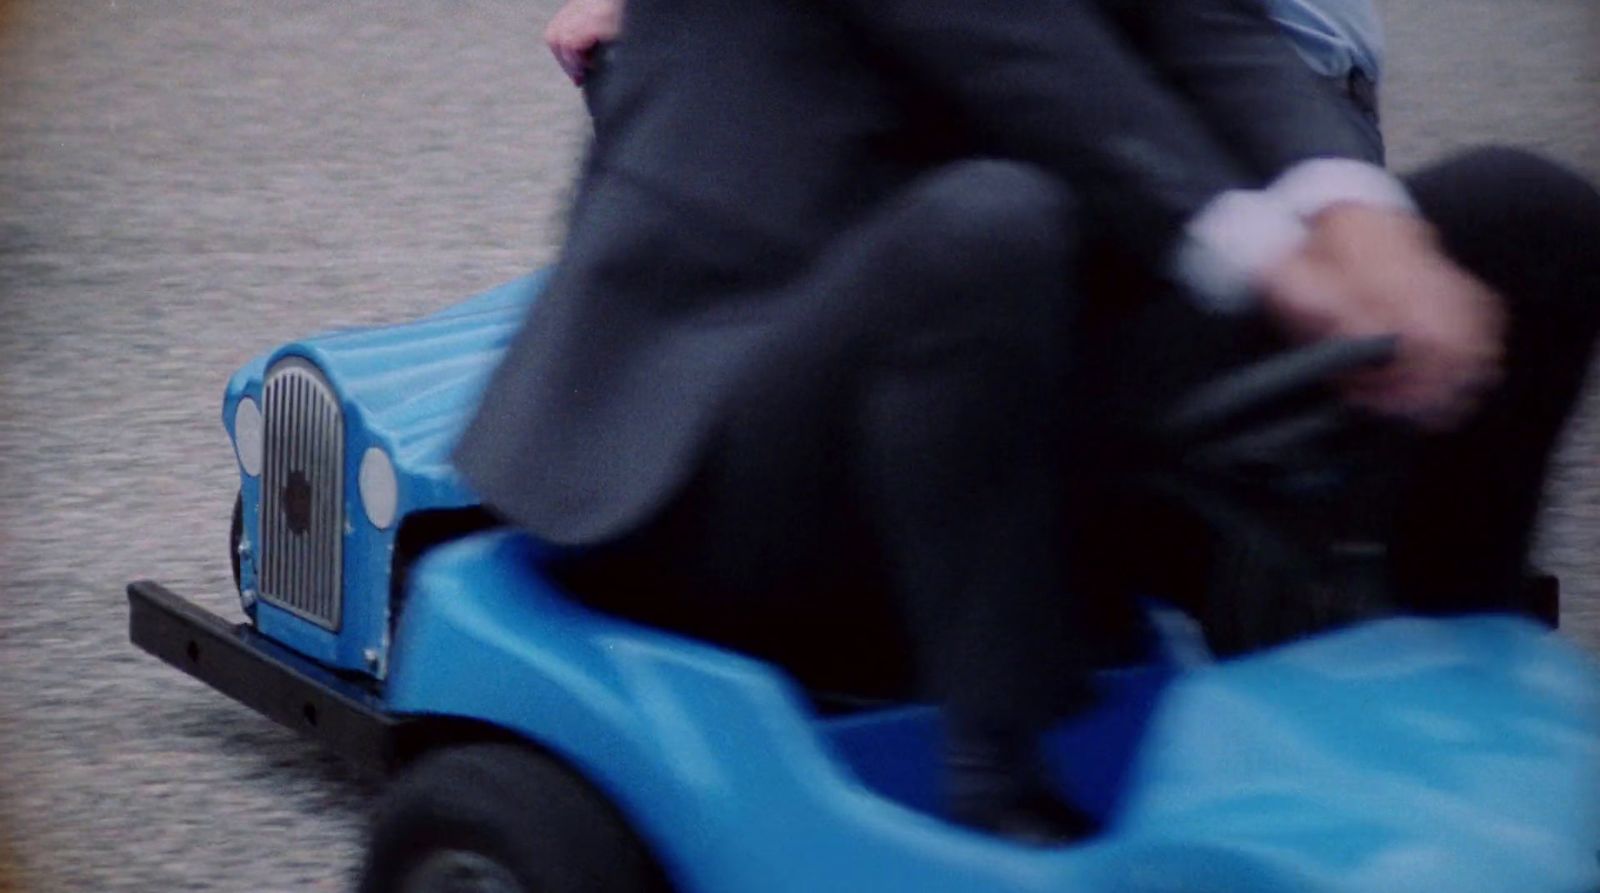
1042 820
991 790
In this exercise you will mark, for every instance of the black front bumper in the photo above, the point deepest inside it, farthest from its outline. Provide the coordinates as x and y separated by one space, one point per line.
280 684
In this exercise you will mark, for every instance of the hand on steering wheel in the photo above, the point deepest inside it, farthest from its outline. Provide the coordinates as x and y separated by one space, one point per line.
1366 272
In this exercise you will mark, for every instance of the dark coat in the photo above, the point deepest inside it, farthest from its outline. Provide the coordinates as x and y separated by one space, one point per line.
737 139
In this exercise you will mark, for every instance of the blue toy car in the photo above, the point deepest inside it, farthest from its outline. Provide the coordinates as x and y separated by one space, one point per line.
541 746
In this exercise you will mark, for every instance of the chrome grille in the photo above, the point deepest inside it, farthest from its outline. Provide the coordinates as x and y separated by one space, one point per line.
302 493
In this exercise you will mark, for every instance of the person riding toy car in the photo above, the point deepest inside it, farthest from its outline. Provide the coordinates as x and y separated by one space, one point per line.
539 745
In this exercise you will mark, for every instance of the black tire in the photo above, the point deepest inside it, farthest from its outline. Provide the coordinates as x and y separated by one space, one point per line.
235 535
502 817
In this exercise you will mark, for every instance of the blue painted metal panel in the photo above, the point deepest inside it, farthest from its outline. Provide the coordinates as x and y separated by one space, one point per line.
1409 755
409 390
1412 754
714 756
896 752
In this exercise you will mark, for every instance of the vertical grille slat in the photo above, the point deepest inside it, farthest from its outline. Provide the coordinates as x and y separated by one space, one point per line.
269 436
323 524
315 459
302 493
282 553
291 446
297 462
334 511
287 558
269 505
336 500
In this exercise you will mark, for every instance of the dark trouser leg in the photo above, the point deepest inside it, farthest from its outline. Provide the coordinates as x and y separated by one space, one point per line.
1532 231
934 348
962 467
960 455
902 423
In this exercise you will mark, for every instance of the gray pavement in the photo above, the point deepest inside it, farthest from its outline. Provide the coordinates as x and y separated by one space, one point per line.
183 185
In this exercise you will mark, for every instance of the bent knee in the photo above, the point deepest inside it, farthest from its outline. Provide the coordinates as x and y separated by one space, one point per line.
992 186
985 253
1525 223
992 204
1521 189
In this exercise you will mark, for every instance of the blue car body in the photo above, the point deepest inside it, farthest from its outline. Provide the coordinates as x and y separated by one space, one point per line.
1405 755
406 390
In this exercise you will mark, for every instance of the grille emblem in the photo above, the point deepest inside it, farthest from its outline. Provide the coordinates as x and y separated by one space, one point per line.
297 503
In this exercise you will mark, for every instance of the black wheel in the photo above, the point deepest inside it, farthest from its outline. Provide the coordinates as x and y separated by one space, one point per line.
501 818
235 535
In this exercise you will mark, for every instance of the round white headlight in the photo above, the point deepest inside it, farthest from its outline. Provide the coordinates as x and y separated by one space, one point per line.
380 495
247 435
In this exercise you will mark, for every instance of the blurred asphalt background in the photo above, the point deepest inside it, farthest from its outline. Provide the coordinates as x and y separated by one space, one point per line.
185 184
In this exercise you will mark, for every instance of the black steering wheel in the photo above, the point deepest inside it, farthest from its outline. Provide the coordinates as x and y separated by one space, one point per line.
1275 383
1287 478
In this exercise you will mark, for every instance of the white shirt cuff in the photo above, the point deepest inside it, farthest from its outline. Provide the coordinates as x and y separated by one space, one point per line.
1239 234
1310 187
1230 243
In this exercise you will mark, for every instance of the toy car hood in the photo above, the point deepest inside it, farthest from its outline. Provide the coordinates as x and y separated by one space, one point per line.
409 389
